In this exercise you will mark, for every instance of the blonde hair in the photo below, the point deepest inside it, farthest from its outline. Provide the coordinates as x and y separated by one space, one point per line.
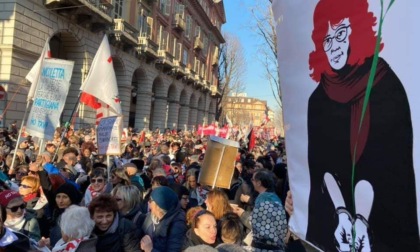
219 203
34 182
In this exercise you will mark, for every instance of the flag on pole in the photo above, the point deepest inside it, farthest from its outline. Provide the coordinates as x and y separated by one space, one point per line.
33 74
230 126
266 119
100 90
251 140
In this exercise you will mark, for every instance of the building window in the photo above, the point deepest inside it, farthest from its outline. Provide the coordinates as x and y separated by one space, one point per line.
118 8
185 57
165 7
179 9
205 44
188 24
197 32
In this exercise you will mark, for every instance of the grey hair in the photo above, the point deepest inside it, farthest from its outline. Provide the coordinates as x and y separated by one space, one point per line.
130 194
76 222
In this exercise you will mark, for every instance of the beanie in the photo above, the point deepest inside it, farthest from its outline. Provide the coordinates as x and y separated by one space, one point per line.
71 191
165 198
7 196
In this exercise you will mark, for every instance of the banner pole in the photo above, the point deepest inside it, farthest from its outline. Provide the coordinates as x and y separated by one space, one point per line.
218 168
67 125
11 170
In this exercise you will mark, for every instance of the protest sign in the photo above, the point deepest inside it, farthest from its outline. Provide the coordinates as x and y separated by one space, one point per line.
219 162
50 97
109 135
348 75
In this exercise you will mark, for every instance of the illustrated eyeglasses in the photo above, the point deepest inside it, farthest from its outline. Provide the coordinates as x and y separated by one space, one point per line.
96 181
15 208
340 35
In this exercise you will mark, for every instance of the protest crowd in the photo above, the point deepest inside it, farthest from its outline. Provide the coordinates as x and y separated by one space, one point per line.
62 196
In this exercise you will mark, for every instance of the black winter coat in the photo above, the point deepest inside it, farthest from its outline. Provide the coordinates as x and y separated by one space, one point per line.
120 237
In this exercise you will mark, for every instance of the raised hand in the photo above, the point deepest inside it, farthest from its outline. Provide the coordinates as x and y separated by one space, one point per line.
363 195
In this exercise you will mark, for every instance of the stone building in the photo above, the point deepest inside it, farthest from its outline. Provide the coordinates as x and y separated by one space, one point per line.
165 55
242 109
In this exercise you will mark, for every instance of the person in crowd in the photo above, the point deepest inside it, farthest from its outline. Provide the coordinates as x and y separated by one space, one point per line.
165 225
191 185
191 214
17 219
86 159
176 173
217 203
230 229
21 171
11 241
114 233
129 200
76 227
183 195
69 161
98 185
203 230
29 189
65 196
119 177
132 170
268 209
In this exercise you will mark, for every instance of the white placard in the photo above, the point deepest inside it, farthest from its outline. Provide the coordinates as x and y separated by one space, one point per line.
50 97
109 135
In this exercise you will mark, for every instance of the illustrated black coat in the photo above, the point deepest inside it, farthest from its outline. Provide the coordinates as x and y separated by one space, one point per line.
386 163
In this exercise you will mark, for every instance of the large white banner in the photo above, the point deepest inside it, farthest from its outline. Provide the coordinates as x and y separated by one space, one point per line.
352 137
50 97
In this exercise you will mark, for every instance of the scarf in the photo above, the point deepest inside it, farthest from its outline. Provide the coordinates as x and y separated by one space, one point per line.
71 246
29 197
349 86
16 224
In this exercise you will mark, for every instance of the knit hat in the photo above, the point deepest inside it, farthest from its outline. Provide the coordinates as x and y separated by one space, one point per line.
165 198
7 196
71 191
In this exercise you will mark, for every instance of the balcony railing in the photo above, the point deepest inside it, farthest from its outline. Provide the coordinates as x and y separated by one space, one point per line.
146 46
198 44
179 23
125 32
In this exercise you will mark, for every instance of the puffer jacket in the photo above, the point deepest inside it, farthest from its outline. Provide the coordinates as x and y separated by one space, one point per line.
169 233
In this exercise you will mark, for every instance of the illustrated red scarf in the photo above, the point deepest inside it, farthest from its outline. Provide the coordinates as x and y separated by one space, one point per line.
351 88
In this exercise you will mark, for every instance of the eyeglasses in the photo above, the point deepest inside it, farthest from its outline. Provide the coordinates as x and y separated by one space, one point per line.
98 181
340 35
15 208
25 186
32 172
185 197
22 173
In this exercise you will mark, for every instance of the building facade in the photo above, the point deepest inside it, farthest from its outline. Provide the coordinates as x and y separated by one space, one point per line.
165 55
242 109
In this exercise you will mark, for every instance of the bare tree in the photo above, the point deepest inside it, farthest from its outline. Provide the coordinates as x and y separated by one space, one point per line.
264 27
231 70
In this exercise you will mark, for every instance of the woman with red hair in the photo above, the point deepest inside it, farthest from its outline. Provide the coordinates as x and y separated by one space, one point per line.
362 155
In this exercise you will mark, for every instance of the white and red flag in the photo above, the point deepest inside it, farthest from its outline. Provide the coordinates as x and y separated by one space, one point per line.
100 90
265 120
33 75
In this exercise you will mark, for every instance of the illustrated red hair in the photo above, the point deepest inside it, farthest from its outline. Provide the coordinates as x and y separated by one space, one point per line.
362 38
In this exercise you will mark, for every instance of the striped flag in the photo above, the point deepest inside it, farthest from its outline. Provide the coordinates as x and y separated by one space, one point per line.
33 74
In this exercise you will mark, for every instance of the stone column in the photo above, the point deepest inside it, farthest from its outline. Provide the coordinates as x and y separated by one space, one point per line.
200 116
125 97
183 116
159 113
192 118
144 102
173 114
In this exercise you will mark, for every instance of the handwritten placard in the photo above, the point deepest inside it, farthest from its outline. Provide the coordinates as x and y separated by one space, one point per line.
108 135
50 97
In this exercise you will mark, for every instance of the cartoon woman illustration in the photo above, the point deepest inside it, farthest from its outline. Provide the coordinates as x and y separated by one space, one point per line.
371 206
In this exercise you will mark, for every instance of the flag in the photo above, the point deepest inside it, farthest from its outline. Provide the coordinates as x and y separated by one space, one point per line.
229 122
101 83
33 74
266 119
251 140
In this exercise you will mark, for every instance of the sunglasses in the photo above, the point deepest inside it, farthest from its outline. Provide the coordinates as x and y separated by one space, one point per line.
15 208
32 172
22 173
25 186
98 181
